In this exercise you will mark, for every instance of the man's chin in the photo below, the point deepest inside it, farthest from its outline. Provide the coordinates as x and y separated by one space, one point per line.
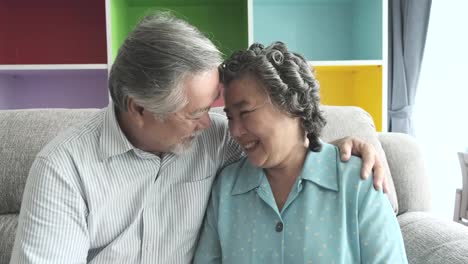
183 148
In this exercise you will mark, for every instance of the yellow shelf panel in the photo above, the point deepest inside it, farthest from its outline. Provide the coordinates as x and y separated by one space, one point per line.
353 85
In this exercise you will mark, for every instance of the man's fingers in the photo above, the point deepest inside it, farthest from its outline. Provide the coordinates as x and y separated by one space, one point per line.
379 175
345 146
369 160
345 155
377 183
386 185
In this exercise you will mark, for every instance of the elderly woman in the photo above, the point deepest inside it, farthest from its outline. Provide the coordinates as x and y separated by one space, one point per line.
291 200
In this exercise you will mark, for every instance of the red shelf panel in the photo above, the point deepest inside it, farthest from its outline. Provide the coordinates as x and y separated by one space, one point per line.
52 32
3 19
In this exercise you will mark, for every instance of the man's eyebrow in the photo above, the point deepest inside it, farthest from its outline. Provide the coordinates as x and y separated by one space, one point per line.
206 109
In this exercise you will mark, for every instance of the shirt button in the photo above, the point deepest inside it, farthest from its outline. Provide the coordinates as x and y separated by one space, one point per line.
279 227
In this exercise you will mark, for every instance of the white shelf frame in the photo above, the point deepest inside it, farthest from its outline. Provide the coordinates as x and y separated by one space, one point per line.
48 67
347 63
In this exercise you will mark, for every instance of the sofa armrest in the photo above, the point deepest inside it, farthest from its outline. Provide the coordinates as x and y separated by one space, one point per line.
431 240
407 167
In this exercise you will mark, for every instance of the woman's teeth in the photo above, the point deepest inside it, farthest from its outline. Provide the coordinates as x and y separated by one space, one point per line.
250 145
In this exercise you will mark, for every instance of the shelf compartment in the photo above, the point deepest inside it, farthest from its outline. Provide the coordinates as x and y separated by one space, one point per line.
342 30
353 86
52 32
224 22
22 88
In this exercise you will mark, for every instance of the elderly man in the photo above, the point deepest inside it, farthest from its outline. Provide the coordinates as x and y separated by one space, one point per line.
131 185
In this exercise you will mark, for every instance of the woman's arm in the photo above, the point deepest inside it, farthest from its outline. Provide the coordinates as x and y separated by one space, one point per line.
209 248
380 238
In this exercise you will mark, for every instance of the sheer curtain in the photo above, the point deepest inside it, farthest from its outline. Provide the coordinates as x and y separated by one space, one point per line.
441 107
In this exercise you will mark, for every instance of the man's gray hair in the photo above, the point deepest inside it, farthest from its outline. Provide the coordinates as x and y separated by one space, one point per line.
155 59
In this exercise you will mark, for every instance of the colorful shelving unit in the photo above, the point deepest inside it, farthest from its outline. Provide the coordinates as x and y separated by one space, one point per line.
345 40
52 54
56 53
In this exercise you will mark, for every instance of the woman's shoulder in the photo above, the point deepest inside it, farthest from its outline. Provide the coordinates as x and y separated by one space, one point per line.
348 172
228 176
350 180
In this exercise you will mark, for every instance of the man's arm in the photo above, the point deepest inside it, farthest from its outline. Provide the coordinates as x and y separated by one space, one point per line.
370 159
52 223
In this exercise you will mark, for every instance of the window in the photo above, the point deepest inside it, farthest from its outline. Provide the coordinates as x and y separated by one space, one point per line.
441 109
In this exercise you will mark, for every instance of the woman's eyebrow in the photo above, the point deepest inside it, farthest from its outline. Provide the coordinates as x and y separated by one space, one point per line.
237 105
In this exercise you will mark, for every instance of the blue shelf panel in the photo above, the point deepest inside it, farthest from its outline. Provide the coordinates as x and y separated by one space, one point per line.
322 30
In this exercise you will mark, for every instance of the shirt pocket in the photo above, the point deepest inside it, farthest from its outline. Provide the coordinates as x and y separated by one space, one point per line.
189 201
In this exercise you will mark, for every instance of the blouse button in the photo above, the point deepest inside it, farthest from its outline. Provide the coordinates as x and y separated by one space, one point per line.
279 227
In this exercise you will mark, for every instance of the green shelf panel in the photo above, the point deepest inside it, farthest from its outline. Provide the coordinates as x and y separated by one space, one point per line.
225 23
119 24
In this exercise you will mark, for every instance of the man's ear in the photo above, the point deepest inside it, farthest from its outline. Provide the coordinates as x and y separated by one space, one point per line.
136 112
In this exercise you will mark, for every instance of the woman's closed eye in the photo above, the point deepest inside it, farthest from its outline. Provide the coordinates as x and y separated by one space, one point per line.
246 112
241 114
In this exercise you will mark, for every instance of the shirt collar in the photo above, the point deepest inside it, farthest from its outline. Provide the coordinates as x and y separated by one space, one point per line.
248 177
112 141
319 168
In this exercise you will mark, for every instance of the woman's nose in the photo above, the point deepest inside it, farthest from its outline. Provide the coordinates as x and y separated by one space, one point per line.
236 128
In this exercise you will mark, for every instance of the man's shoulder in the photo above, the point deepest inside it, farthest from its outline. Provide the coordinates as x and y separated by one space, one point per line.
84 133
218 119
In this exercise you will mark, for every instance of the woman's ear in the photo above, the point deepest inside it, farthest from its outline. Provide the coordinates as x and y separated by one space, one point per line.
306 140
135 112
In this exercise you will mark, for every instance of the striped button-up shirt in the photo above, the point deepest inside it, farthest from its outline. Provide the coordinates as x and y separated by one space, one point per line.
92 197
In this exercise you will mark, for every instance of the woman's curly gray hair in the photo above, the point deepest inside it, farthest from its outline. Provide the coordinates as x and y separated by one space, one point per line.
288 79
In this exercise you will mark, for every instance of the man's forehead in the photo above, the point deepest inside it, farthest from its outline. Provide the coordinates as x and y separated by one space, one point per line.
191 109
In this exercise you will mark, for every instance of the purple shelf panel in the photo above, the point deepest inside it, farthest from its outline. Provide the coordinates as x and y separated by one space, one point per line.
53 89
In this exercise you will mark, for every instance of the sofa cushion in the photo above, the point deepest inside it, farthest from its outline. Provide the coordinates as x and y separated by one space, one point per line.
23 133
345 121
8 225
431 240
408 171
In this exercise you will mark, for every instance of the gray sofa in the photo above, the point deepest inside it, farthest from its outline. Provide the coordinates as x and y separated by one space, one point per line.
427 239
